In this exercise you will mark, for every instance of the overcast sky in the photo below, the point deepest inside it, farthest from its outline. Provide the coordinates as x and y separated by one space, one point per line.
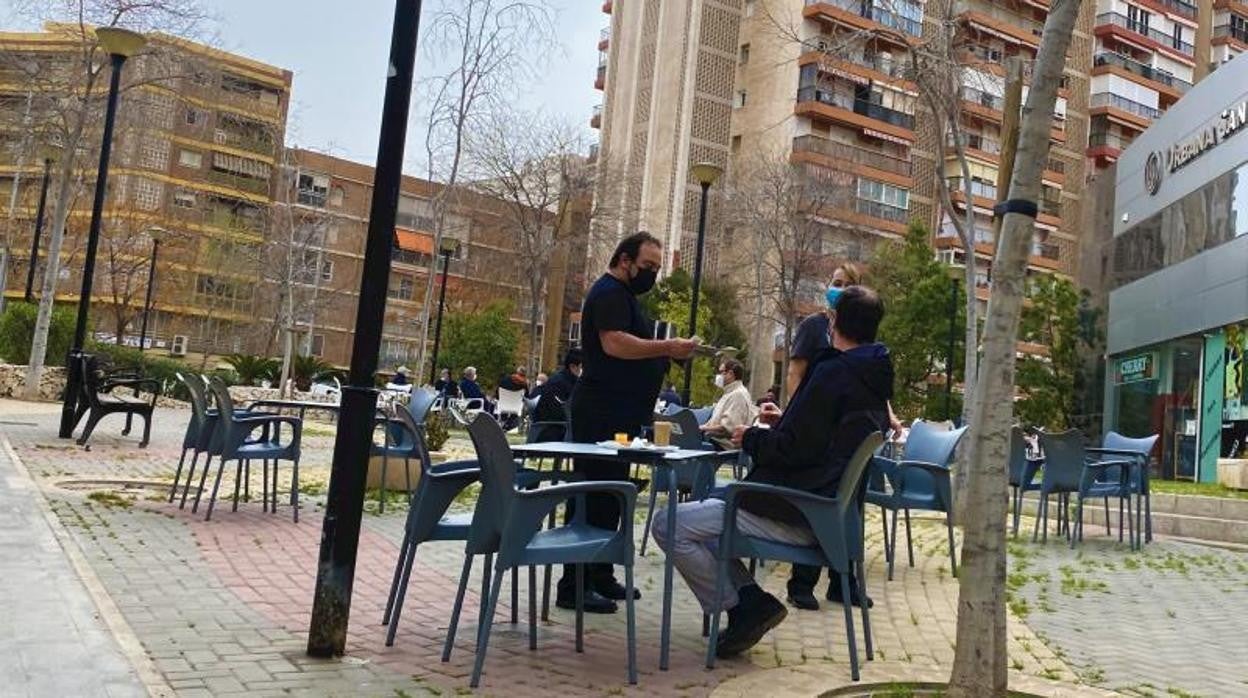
338 49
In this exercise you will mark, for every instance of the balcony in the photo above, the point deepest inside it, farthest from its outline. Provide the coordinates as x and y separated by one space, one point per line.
234 181
857 106
852 153
1045 250
875 209
223 217
983 99
595 121
979 189
891 66
1145 71
1108 140
249 142
1238 33
880 15
1113 101
600 80
1119 20
1025 28
604 38
1178 7
606 6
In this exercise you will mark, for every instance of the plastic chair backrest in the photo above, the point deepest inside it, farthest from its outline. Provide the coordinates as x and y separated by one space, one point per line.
855 469
1064 455
1118 442
929 443
414 425
703 414
510 401
225 409
1018 455
498 481
199 409
690 435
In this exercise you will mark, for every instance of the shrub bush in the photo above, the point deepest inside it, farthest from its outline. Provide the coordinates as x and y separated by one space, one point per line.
252 369
17 331
161 369
436 432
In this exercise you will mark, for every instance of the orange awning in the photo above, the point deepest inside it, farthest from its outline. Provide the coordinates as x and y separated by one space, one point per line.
413 241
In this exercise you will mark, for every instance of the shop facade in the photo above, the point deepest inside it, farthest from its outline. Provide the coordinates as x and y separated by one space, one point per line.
1177 331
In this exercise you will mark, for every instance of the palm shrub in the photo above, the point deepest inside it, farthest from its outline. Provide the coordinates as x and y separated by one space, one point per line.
252 369
307 369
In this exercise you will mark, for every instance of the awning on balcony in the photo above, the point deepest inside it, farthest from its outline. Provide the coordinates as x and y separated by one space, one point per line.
235 164
886 137
413 241
833 70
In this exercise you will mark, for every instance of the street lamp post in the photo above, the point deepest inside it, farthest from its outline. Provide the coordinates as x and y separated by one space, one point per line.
706 173
340 529
34 244
147 303
120 45
448 248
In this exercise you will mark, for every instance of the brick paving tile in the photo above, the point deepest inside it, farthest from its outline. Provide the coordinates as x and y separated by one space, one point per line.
224 604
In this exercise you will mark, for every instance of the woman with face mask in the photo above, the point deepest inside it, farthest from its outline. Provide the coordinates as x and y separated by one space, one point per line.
812 335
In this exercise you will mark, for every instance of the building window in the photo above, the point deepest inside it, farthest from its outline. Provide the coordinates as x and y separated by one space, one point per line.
193 117
574 332
317 347
744 56
313 189
336 196
1137 20
736 143
191 158
402 289
1177 42
184 199
749 8
147 194
740 98
327 270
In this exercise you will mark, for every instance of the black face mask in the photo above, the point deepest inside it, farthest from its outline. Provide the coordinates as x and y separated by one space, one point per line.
643 282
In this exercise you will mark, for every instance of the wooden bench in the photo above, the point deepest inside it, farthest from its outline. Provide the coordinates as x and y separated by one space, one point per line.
99 398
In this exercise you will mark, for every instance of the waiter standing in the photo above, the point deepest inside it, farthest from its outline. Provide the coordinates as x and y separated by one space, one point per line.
623 369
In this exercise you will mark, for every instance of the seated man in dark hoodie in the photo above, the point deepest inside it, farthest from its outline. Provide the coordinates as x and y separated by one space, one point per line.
843 401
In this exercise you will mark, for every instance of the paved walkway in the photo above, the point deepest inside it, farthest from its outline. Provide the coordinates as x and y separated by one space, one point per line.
221 608
52 639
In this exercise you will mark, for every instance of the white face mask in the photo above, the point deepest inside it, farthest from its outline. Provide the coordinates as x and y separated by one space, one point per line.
719 380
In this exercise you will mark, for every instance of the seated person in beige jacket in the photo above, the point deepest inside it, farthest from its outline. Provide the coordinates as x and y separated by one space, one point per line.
736 407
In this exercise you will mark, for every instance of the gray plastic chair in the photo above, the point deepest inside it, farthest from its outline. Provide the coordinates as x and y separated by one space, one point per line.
204 436
1064 457
232 438
837 526
919 481
507 522
1137 450
426 517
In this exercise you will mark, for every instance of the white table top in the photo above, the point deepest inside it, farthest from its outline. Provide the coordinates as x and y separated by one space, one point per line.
565 448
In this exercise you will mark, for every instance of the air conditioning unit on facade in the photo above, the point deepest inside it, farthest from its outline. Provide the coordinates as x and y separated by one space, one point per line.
178 348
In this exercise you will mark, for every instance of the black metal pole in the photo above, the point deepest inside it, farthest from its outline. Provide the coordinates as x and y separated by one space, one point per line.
437 329
697 287
953 320
34 244
340 531
73 379
147 304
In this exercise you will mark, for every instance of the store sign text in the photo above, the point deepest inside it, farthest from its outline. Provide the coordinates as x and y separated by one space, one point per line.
1228 122
1134 369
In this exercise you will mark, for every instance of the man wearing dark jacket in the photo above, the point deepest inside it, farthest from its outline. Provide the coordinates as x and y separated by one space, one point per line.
552 397
843 401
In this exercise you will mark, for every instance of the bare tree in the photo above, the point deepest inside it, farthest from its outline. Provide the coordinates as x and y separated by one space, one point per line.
294 263
784 213
980 662
493 44
127 259
534 166
67 101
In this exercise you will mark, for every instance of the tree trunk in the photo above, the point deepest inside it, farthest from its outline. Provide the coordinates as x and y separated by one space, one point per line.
52 264
980 665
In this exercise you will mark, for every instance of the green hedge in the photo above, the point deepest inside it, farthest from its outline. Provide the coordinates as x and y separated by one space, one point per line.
159 368
17 332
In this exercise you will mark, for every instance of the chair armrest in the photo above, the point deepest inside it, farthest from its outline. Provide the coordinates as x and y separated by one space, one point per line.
150 384
453 467
553 475
820 512
532 506
734 490
1093 468
939 474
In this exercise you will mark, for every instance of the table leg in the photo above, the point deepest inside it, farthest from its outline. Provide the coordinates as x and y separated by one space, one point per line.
556 466
666 634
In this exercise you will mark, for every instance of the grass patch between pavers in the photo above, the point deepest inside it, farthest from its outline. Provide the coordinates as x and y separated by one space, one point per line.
110 499
1201 489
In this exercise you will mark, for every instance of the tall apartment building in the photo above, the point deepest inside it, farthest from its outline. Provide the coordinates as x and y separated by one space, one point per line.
331 197
826 84
194 165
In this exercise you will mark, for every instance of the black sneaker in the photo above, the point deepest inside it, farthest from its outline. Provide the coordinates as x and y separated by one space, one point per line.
834 593
805 600
593 602
611 589
750 626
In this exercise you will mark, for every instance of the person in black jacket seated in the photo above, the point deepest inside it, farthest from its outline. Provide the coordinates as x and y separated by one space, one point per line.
671 397
445 386
843 401
552 395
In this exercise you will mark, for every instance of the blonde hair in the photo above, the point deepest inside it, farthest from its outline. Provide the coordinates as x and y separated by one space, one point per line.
853 275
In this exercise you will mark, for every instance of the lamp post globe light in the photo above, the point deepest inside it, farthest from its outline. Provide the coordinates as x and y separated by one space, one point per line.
448 248
706 173
120 44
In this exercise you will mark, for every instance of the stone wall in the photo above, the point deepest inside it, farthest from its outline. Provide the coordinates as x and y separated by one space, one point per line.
13 382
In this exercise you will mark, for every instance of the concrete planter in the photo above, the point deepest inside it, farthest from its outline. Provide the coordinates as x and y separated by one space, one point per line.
396 481
1233 473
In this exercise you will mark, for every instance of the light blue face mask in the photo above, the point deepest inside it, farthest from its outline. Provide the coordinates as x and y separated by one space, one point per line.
833 295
